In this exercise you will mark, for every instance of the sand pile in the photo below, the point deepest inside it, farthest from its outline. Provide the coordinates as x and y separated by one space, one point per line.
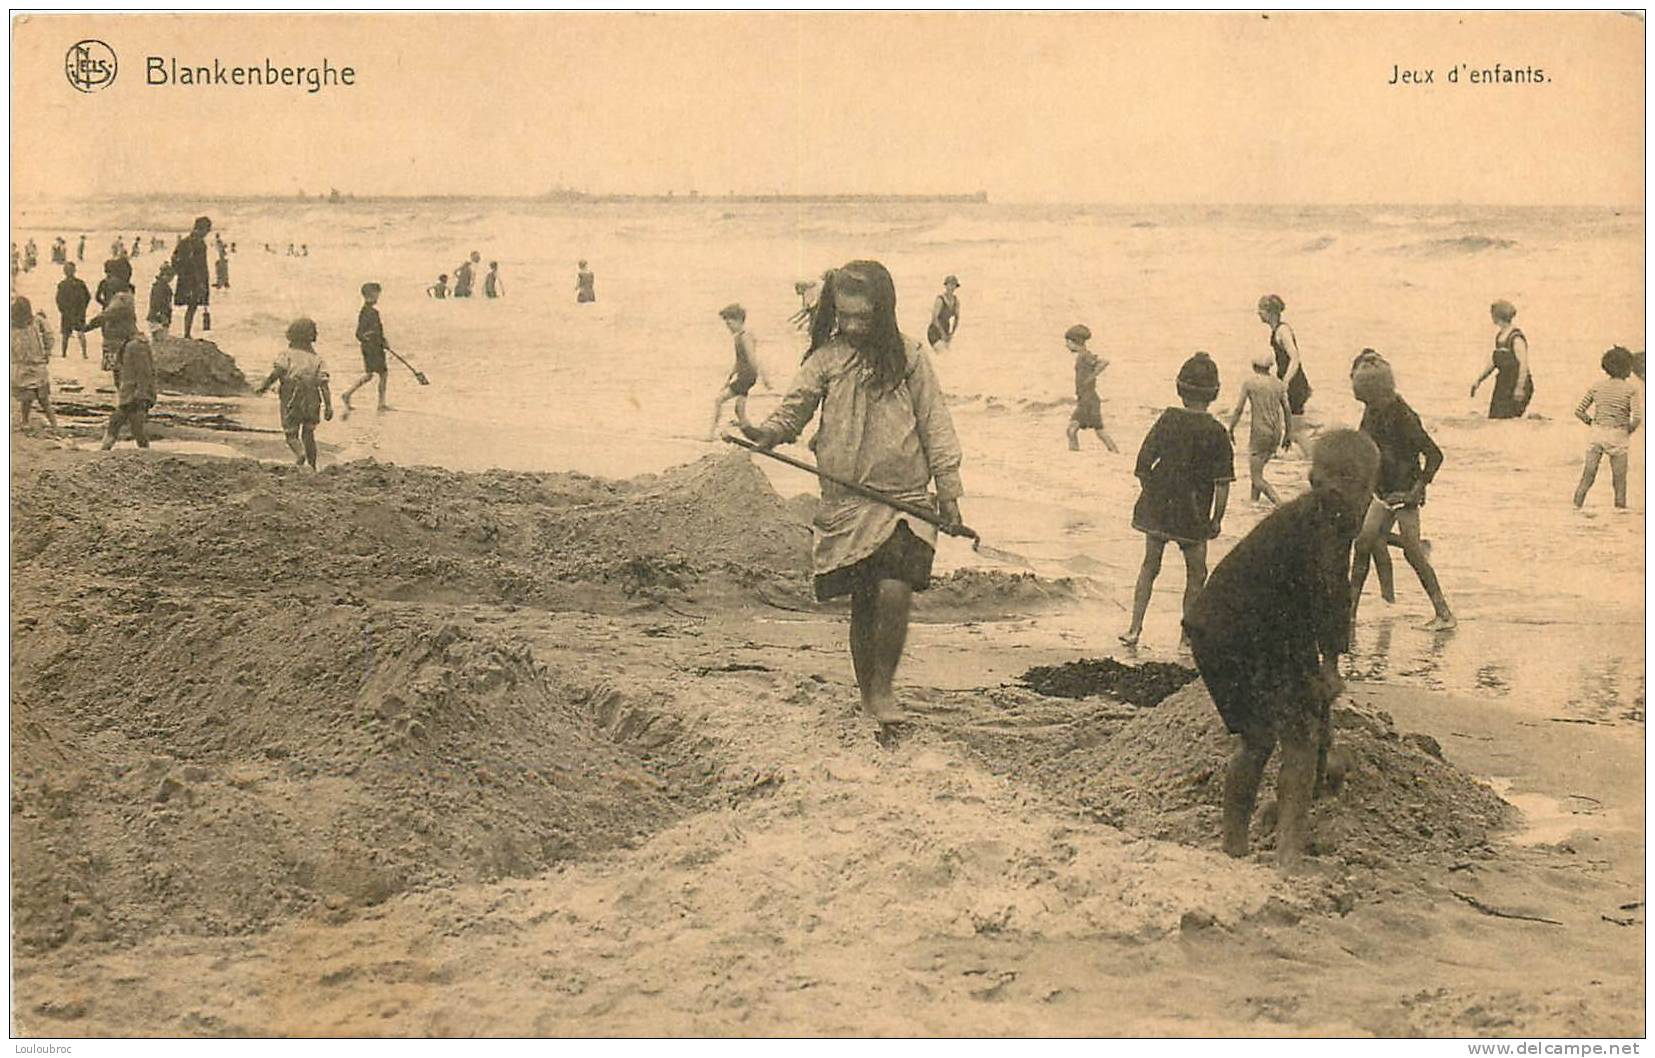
549 540
1160 772
705 532
209 765
191 365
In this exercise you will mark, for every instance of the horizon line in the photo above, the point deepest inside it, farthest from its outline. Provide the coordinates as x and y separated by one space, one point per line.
568 198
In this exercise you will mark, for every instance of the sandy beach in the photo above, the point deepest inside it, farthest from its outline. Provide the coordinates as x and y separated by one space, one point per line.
514 713
404 751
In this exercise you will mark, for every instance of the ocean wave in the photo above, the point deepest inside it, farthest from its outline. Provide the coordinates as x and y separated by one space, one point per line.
1317 245
1462 244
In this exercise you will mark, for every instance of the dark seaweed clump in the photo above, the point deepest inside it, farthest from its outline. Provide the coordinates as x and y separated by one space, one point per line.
1144 684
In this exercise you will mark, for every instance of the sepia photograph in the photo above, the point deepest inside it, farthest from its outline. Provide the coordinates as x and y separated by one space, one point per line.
828 524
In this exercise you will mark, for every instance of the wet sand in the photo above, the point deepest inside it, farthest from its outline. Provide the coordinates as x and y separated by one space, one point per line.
738 854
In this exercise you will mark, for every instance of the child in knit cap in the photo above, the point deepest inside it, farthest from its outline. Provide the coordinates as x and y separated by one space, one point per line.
1186 465
1400 493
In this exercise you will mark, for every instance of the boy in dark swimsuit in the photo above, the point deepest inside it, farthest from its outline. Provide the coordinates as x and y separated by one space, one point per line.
72 299
1088 413
370 333
743 375
1267 632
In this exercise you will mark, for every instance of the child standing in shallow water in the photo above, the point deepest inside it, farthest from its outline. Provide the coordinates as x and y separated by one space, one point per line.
1271 416
1186 465
743 374
1088 413
1400 493
1615 418
304 390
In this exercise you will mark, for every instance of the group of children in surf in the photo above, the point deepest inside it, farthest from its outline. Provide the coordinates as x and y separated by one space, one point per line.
465 278
747 370
1304 566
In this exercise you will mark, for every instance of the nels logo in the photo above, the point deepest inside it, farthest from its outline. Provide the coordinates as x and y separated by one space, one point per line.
90 65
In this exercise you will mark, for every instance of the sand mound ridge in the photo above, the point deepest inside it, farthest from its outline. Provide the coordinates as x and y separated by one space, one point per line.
210 765
549 540
712 530
192 365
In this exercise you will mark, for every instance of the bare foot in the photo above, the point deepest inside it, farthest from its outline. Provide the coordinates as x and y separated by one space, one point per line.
885 710
1129 638
1441 623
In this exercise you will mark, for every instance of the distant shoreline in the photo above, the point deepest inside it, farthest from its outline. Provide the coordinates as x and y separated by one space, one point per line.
566 198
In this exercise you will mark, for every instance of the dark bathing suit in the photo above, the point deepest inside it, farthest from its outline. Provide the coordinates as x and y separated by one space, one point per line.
370 332
745 373
1507 403
1298 387
1088 413
949 319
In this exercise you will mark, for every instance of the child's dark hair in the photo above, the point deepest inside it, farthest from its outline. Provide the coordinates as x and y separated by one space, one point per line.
443 278
370 288
1617 362
733 312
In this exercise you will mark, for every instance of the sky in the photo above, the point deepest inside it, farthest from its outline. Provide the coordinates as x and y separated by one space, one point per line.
1112 108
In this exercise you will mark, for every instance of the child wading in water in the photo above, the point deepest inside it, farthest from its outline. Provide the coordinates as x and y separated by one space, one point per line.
304 390
370 332
1271 419
1186 465
439 289
1088 413
1267 633
1395 428
1616 401
743 375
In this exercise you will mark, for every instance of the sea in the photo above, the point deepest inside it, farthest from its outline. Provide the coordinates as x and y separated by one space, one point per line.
1550 601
